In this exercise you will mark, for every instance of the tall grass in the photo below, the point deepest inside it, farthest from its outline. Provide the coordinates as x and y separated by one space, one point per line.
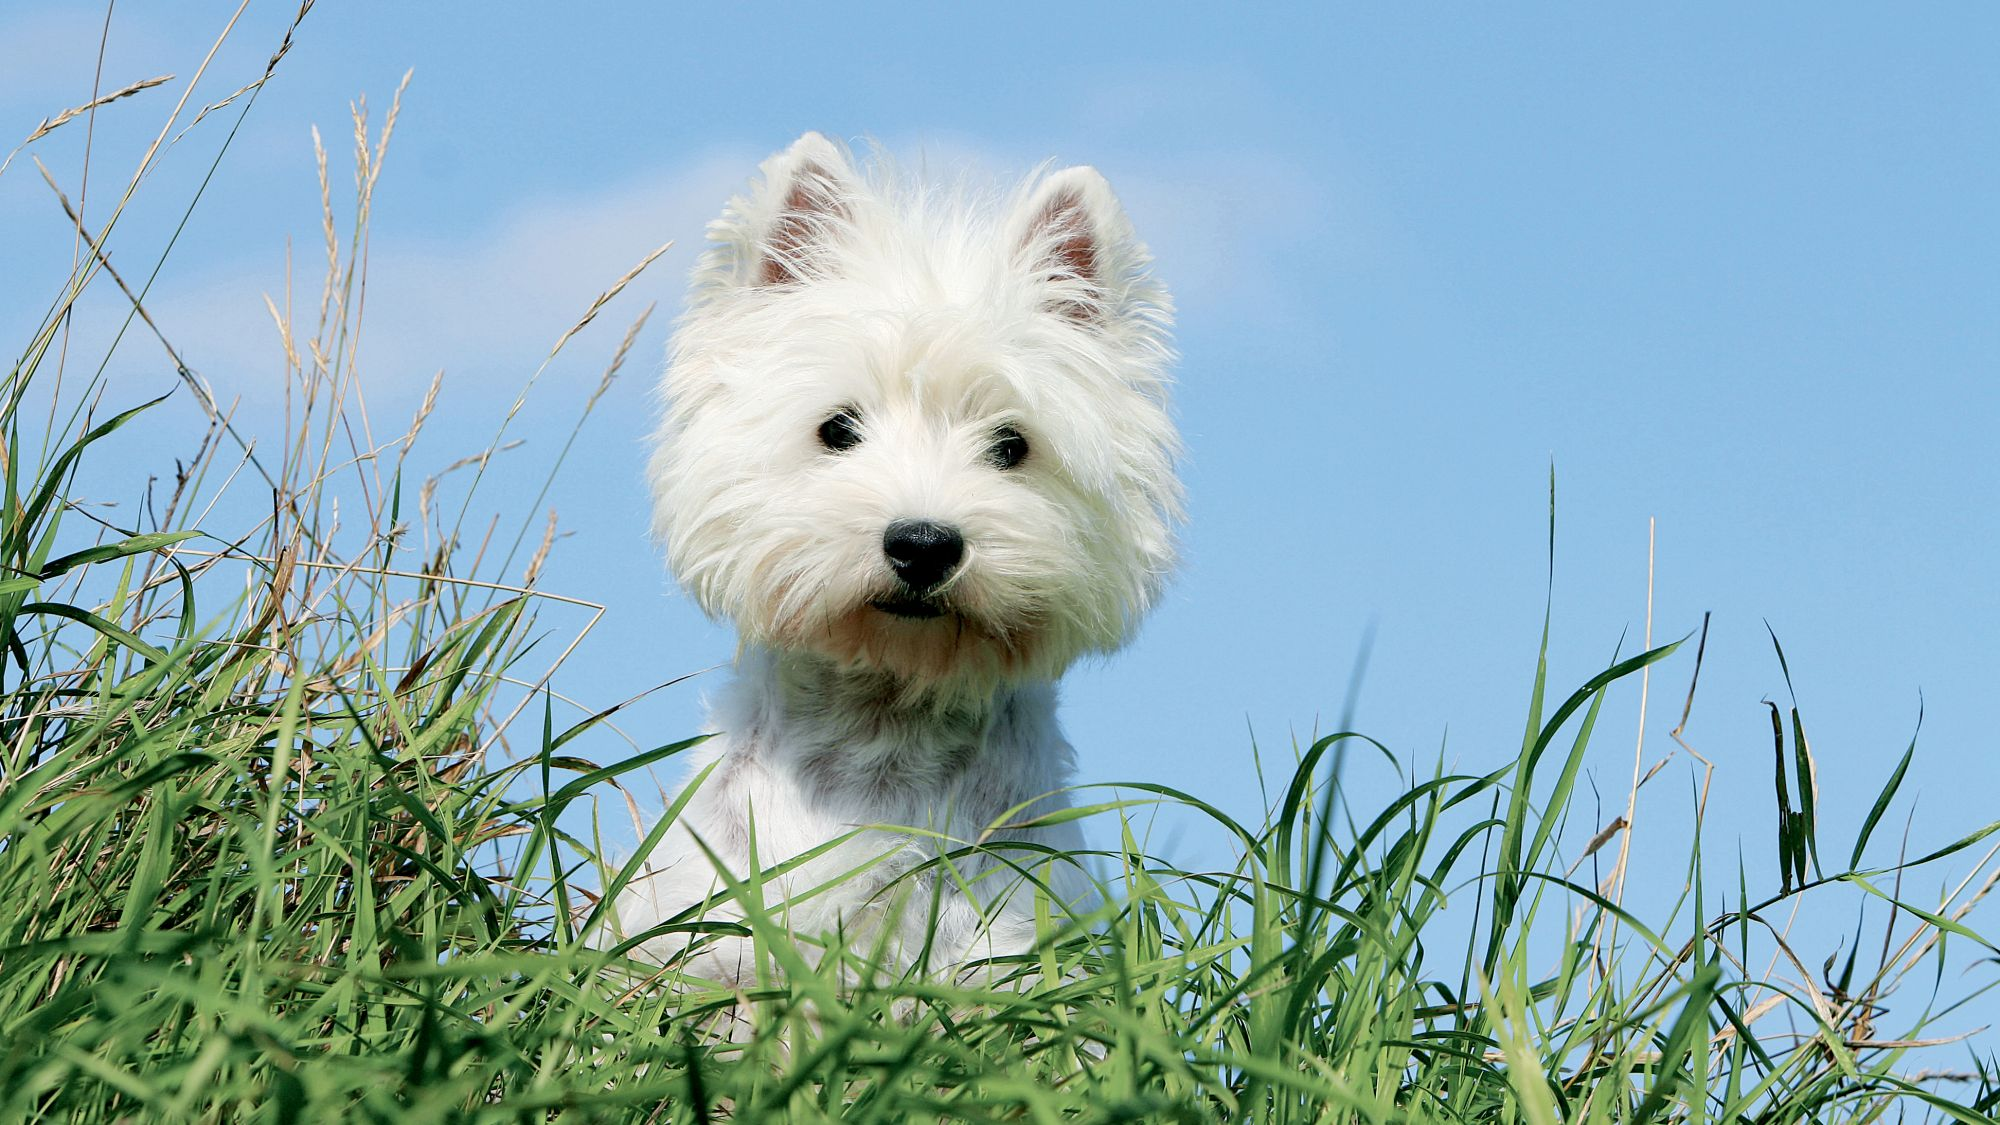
261 862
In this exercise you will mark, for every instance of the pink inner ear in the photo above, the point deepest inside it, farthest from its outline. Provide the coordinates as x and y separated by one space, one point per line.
1062 232
801 225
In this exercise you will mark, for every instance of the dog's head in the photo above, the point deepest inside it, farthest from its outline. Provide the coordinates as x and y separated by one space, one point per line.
917 430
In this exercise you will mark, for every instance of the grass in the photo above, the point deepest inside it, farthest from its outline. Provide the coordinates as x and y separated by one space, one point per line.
263 859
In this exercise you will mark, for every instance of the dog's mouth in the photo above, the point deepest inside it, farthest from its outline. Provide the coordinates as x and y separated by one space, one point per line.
909 607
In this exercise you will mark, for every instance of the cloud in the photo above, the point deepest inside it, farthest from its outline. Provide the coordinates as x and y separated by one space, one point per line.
499 298
1221 230
1226 227
52 52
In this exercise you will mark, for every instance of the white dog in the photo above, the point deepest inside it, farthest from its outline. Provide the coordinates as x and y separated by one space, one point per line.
916 448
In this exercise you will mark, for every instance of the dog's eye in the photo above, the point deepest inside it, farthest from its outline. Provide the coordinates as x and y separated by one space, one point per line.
840 432
1009 448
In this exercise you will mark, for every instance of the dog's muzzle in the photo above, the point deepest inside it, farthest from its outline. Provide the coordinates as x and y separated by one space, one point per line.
922 554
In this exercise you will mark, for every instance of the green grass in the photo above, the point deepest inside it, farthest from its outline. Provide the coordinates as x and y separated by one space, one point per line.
261 859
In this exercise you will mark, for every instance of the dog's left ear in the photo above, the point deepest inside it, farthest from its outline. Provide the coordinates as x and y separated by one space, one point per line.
1076 240
787 227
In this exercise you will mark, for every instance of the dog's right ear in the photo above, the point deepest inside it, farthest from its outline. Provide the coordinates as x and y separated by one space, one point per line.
1079 245
791 219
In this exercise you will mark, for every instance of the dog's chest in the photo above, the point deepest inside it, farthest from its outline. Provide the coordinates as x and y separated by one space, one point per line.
819 766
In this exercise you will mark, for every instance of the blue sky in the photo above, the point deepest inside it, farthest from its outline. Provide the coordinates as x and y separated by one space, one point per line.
1733 269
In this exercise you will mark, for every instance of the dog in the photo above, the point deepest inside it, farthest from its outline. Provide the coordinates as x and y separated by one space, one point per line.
916 446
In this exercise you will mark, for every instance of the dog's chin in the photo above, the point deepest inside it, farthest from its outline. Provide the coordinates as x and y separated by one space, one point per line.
910 608
925 643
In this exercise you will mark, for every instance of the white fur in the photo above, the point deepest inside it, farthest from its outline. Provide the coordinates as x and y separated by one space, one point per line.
937 314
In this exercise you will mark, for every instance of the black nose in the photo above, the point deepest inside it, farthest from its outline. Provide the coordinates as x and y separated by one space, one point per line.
922 553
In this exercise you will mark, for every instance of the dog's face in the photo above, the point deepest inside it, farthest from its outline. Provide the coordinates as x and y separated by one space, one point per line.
917 434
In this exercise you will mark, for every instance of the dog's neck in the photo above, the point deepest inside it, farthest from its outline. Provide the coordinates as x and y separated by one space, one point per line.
801 692
841 729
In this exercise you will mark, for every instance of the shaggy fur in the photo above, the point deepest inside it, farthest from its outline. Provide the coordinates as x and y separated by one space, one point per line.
933 326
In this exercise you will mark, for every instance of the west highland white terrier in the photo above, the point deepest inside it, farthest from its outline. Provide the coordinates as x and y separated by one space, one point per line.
916 447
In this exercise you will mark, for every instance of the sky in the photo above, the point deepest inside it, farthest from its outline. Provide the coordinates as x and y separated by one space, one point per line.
1729 274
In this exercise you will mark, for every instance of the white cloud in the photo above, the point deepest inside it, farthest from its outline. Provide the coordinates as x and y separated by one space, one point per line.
1219 223
1220 228
52 52
503 296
